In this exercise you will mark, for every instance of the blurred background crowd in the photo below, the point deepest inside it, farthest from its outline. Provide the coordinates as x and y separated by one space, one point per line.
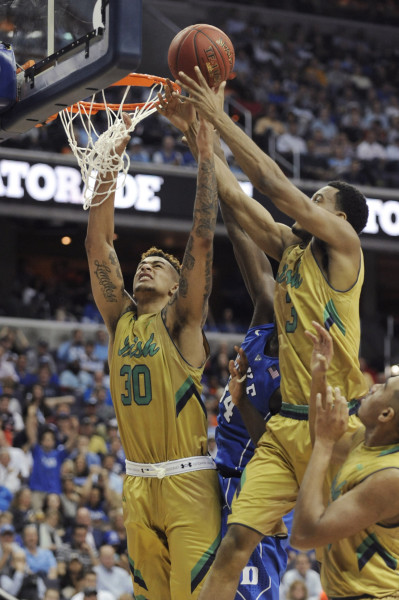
330 98
325 104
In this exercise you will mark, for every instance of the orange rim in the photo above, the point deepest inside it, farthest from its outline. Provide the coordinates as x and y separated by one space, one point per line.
137 79
133 79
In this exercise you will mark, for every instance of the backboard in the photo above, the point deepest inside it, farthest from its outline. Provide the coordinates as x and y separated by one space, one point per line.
79 47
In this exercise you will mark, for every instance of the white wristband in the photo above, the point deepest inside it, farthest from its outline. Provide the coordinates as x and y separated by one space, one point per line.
243 378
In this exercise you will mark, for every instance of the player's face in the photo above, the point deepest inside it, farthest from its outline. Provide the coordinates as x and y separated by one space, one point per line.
324 198
378 398
154 274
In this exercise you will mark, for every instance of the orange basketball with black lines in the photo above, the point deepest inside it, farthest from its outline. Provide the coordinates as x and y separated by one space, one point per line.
206 46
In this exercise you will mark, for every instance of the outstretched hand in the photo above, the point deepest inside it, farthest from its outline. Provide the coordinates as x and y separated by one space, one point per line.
207 101
238 372
175 107
323 350
332 417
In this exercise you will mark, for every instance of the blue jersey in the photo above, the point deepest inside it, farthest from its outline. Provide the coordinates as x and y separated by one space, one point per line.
260 579
234 445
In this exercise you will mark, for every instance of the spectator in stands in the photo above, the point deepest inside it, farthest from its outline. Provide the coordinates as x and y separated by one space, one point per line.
48 381
7 546
69 580
302 572
22 509
88 556
136 151
47 458
116 537
297 591
83 447
110 577
39 560
26 378
7 367
101 344
88 427
21 582
291 142
65 422
49 530
392 149
98 498
14 468
38 356
91 362
168 155
369 149
99 380
97 404
351 123
51 593
325 123
89 590
11 422
72 349
69 499
339 162
94 536
35 397
74 380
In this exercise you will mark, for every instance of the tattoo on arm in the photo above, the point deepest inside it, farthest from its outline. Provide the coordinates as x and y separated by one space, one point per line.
206 203
114 261
188 260
102 272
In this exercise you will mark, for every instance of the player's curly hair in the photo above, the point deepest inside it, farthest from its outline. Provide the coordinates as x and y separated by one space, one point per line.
153 251
353 203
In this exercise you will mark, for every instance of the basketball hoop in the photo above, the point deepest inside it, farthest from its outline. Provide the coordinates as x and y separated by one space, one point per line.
98 156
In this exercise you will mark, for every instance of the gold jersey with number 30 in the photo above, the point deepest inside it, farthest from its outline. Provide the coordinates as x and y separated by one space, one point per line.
156 393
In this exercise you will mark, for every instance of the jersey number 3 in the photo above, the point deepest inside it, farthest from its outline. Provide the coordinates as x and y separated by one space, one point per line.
290 326
137 385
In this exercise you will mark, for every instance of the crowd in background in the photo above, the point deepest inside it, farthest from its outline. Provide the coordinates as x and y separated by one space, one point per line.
331 98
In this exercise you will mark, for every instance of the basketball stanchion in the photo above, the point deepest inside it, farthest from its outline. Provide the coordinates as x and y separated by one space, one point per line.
98 157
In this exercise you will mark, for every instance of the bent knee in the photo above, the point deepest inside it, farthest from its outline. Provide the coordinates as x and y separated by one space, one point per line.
238 545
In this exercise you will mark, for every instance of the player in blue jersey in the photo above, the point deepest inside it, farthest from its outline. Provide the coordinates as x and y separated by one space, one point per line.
239 429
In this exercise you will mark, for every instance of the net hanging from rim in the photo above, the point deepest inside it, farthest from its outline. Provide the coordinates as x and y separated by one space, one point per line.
99 158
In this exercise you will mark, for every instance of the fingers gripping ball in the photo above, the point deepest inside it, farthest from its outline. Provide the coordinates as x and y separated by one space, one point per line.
205 46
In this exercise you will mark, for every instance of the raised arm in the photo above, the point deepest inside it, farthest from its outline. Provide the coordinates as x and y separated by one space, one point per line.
186 313
105 273
272 237
316 524
266 175
322 355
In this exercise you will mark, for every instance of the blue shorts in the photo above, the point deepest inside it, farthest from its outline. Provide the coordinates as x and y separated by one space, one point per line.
260 579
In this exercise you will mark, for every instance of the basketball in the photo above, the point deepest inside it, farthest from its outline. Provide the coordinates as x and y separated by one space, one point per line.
203 45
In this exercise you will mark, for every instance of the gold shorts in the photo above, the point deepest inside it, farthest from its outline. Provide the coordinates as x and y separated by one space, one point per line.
173 532
270 482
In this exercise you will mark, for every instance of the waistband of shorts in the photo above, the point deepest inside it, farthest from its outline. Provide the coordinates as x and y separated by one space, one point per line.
171 467
300 412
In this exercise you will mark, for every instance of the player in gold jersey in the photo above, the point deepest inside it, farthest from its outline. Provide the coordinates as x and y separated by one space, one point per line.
319 279
157 351
359 528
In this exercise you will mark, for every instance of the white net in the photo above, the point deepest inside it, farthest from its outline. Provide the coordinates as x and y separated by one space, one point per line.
99 157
